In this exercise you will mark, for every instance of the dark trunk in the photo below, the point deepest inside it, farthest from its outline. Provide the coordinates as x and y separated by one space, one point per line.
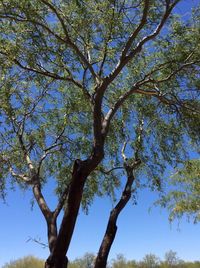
56 261
58 258
106 244
52 233
81 171
111 229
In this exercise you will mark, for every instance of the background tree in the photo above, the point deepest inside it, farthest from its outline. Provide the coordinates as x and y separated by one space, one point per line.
121 262
25 262
77 80
171 259
87 261
150 261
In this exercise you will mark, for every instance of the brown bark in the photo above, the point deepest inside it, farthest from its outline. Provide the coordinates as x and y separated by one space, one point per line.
52 233
56 262
81 170
111 229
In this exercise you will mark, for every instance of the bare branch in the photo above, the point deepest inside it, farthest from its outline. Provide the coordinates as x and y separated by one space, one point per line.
21 177
106 172
123 151
38 241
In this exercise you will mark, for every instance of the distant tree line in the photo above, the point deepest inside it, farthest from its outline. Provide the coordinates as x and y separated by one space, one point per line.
171 260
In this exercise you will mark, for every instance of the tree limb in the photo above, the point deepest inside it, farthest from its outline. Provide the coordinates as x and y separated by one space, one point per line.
68 39
126 58
22 177
137 30
61 202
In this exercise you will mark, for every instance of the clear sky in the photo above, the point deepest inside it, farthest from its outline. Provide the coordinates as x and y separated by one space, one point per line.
139 231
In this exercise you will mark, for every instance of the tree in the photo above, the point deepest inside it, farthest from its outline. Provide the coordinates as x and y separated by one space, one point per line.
121 262
92 91
150 261
86 261
171 259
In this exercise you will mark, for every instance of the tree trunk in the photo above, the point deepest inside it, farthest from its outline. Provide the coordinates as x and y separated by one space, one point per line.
81 171
111 229
58 258
56 261
106 244
52 233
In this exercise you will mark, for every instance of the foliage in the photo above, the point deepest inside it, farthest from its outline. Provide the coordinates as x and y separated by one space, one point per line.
120 261
184 195
171 259
48 104
29 261
87 261
149 261
78 80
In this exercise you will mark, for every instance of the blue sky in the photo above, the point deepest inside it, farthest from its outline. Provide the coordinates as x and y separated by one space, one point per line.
139 231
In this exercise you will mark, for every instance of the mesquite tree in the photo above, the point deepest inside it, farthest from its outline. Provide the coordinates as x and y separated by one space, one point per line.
92 91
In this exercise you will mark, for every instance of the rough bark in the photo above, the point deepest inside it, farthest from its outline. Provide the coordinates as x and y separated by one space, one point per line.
111 229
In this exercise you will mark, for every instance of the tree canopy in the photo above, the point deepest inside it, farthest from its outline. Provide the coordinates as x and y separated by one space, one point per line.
92 91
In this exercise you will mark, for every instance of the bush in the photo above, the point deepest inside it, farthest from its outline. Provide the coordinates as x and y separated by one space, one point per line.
26 262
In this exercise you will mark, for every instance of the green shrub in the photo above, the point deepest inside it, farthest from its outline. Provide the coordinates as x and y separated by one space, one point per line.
26 262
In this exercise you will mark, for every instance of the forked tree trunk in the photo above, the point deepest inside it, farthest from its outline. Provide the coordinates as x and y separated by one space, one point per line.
111 229
81 170
58 258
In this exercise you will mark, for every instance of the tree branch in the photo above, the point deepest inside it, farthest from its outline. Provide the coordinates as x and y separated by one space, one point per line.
61 202
41 201
47 73
68 39
154 93
22 19
137 30
126 58
22 177
123 151
34 178
106 172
